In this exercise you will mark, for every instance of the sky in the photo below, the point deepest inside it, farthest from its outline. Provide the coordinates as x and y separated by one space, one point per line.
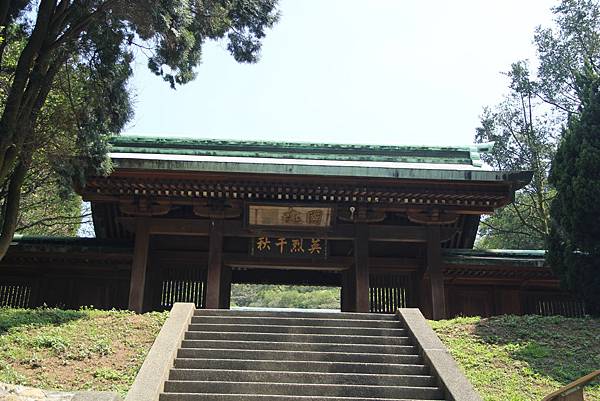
415 72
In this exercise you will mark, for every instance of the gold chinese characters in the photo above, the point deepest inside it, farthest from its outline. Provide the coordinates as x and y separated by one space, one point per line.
285 246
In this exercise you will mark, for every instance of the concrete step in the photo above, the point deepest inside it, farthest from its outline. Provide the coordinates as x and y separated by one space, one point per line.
323 390
264 328
292 346
263 397
294 314
296 355
290 337
252 355
301 366
280 321
300 377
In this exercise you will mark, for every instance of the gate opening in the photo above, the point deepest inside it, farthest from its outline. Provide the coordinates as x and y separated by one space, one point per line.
285 296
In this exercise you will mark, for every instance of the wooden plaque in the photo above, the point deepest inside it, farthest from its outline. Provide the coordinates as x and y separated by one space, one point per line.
289 216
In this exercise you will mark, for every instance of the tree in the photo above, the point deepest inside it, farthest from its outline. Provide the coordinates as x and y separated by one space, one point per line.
564 50
503 229
48 204
528 123
574 244
524 131
78 53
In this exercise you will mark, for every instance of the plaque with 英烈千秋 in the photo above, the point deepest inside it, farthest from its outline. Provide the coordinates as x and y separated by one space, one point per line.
288 247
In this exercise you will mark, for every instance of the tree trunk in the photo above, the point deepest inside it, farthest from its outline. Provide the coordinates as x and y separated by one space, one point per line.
12 108
11 205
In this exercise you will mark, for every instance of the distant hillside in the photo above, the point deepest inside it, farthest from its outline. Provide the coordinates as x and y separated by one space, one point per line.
285 296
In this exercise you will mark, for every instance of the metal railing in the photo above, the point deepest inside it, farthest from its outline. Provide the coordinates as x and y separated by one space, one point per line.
573 391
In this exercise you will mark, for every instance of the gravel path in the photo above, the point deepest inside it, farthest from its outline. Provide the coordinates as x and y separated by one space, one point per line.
10 392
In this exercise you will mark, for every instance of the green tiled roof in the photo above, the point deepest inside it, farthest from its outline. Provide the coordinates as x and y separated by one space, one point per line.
308 159
466 155
512 257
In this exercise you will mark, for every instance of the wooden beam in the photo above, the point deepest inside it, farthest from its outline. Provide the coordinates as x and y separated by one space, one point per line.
436 275
199 227
361 267
289 277
332 263
215 266
139 266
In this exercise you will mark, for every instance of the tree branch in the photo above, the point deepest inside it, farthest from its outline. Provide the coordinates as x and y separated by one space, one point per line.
485 223
80 25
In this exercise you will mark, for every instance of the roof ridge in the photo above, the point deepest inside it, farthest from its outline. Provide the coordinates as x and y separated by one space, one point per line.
192 139
464 155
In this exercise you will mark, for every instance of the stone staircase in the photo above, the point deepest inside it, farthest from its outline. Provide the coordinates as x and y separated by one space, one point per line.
295 356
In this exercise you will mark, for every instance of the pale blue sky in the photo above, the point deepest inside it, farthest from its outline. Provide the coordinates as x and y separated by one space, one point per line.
356 71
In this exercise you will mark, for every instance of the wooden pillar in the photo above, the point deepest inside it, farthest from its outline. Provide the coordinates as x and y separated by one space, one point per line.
215 266
153 286
361 268
434 270
139 266
225 295
348 295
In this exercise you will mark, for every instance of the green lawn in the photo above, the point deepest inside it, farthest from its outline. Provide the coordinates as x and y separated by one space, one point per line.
75 350
518 358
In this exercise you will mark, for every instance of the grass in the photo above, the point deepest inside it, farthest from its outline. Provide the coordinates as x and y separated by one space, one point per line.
507 358
75 350
522 358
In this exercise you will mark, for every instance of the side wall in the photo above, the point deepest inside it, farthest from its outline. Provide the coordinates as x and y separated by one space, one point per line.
71 277
67 278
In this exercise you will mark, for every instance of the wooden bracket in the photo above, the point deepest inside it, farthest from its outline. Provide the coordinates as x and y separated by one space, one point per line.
361 215
145 207
431 217
217 210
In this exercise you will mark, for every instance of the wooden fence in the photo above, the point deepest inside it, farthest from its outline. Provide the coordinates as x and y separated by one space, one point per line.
552 304
15 295
182 284
388 292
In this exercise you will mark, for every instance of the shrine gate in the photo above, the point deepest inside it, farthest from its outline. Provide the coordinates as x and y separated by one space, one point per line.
393 226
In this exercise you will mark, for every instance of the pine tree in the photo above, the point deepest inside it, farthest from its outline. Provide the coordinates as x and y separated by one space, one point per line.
574 244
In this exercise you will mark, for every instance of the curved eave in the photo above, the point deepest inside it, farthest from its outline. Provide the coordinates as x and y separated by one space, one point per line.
307 167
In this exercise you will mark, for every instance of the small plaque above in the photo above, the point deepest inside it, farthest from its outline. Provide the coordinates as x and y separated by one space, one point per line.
289 216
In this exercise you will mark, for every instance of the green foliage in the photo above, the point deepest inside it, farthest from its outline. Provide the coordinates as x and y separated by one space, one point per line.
523 357
565 49
524 132
285 296
527 125
574 246
64 72
48 204
503 229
